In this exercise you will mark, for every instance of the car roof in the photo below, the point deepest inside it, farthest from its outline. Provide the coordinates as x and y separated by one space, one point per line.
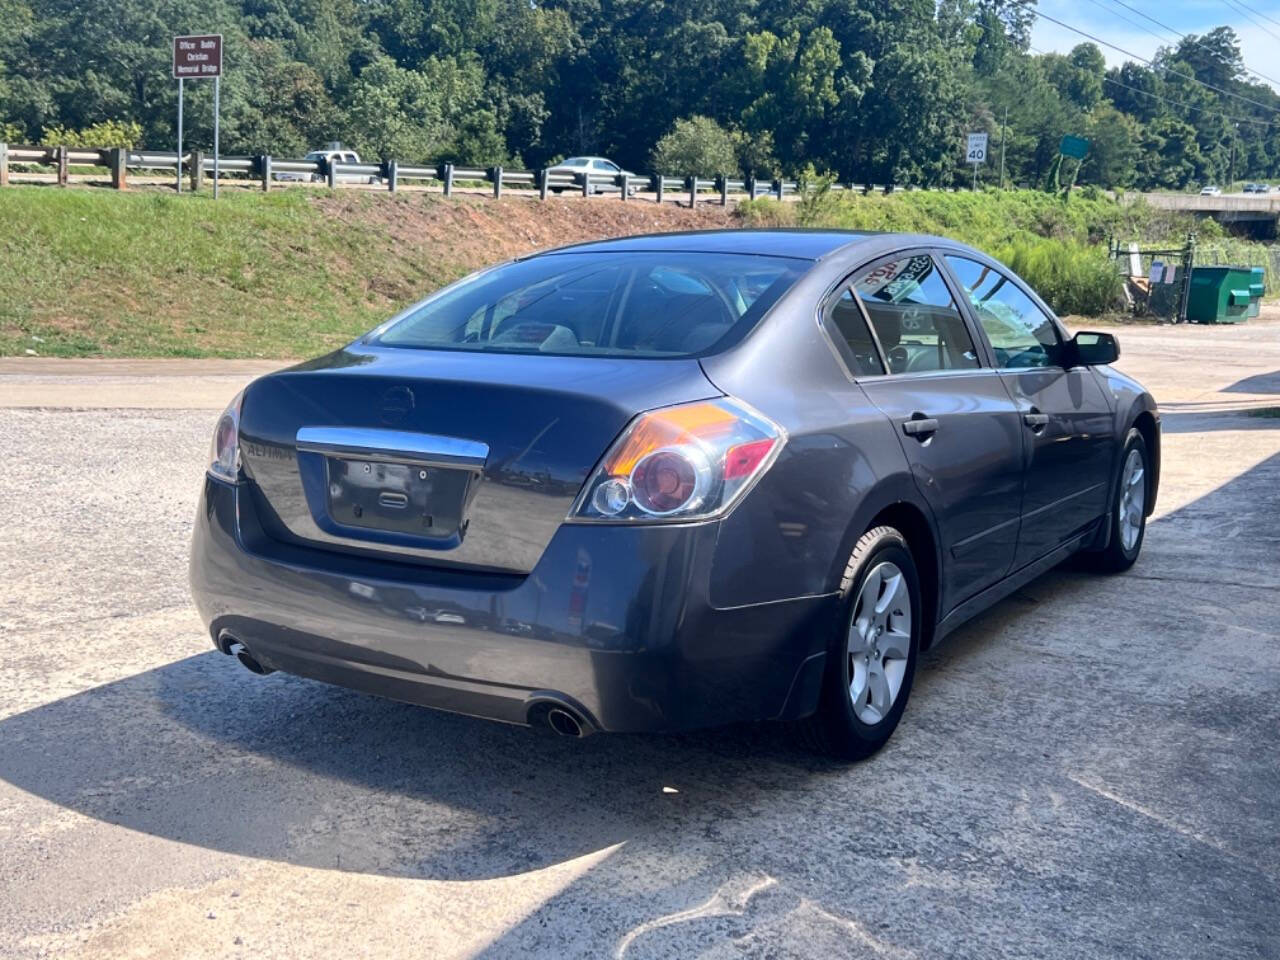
799 243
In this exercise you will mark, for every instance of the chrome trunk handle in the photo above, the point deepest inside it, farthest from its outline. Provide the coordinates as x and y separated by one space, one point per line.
399 446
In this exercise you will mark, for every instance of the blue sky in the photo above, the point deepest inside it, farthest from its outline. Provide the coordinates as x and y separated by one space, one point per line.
1107 20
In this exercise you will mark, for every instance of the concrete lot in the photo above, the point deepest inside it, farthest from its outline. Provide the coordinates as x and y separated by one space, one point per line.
1089 770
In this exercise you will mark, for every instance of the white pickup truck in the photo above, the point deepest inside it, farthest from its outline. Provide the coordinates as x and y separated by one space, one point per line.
325 158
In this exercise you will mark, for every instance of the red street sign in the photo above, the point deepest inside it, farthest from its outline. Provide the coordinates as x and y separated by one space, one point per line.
197 58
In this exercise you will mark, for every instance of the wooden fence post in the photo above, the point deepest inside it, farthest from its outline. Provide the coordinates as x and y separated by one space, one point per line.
544 179
751 186
117 158
724 190
331 173
61 159
626 184
448 179
692 184
586 182
777 189
4 164
264 165
496 174
658 181
393 175
197 170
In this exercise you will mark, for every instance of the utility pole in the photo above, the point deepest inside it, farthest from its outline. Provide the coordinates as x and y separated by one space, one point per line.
1231 164
1004 123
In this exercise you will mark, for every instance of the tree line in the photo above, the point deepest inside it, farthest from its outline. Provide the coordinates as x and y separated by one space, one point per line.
872 90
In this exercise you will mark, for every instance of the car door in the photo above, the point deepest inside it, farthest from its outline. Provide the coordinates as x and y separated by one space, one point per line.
1066 417
956 423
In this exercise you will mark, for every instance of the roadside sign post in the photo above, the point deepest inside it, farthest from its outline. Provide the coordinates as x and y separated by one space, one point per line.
976 153
217 91
199 58
179 161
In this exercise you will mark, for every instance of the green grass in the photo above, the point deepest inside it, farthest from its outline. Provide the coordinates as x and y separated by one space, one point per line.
95 272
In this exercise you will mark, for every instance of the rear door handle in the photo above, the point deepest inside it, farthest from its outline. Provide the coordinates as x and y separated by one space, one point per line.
920 427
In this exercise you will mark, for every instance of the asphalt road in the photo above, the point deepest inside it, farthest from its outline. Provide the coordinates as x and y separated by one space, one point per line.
1089 770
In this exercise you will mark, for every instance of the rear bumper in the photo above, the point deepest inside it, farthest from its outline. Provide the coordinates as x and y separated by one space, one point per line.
613 620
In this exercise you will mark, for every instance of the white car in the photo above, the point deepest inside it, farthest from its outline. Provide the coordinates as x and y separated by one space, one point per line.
596 166
1211 191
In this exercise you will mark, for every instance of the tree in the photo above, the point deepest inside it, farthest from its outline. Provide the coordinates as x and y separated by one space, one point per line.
695 146
1115 142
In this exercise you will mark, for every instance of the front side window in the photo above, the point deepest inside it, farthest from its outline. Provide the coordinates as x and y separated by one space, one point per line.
636 304
918 324
1021 334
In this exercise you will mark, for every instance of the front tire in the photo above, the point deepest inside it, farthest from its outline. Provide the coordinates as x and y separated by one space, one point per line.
871 655
1128 513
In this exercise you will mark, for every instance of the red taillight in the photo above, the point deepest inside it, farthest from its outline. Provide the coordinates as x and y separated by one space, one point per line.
685 462
742 460
666 481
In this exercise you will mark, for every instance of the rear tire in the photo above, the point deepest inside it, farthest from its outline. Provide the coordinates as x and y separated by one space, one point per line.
872 652
1128 512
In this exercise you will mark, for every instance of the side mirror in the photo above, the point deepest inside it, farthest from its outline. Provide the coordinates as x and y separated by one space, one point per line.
1094 349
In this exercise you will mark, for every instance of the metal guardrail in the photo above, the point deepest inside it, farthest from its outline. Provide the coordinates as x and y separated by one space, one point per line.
268 172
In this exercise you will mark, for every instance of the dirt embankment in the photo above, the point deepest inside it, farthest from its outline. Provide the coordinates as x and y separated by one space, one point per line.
480 230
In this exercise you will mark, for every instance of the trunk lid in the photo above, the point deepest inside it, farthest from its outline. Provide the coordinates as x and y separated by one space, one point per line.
441 457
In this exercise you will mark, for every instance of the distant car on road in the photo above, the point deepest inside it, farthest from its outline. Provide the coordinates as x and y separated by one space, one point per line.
1211 191
325 158
598 166
778 465
1257 188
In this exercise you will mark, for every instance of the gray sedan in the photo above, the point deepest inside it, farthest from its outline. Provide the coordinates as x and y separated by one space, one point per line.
672 481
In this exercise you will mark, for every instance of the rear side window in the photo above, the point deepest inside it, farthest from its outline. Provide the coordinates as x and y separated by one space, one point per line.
852 329
635 304
1021 334
918 324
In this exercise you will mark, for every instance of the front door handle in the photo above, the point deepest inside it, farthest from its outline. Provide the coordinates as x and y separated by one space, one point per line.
1036 420
920 427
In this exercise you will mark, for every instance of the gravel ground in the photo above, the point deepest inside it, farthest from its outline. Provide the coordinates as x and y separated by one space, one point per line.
1088 770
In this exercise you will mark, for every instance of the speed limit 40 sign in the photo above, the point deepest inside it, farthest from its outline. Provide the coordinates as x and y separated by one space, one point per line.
977 151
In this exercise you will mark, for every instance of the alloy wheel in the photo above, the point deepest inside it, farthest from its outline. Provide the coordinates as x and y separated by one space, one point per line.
879 642
1133 498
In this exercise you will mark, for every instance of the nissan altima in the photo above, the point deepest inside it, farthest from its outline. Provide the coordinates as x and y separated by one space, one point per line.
672 481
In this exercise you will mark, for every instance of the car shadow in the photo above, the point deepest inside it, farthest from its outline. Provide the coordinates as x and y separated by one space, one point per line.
1258 383
202 752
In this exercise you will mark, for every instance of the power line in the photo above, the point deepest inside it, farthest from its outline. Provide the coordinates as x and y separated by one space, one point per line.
1259 13
1130 20
1162 26
1199 41
1176 103
1183 103
1240 8
1025 4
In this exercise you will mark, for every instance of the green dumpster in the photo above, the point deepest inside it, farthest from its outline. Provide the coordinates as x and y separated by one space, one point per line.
1219 294
1256 290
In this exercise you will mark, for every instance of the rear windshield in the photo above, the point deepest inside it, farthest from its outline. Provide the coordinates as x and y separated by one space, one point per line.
671 304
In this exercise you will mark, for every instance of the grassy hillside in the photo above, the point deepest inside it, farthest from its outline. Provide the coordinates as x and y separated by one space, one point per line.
294 273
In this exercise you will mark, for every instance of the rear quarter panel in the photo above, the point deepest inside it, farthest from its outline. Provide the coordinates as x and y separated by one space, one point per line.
842 464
